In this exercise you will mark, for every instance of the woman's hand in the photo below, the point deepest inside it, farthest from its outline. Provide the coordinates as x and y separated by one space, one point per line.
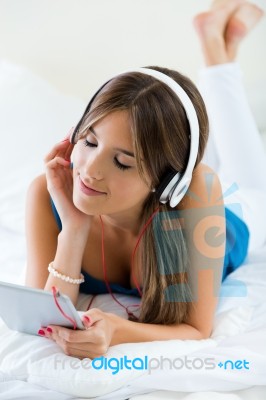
59 178
90 343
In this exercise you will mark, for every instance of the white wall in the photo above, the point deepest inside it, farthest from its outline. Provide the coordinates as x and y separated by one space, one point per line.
76 44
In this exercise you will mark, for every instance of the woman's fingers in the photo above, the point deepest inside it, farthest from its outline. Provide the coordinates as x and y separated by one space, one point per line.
52 172
57 160
77 343
69 151
62 147
57 178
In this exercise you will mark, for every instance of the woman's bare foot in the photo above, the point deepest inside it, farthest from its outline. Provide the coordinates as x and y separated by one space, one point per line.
240 24
211 27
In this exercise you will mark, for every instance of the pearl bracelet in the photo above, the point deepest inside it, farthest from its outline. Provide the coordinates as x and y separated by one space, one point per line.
65 278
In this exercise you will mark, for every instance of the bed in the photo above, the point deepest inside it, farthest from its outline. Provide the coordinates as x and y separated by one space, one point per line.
236 349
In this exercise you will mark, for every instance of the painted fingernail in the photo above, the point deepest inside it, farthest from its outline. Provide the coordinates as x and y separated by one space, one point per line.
49 329
41 332
87 319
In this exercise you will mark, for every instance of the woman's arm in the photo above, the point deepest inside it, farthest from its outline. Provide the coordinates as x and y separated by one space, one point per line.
205 231
68 261
203 221
45 244
132 332
106 329
201 215
41 233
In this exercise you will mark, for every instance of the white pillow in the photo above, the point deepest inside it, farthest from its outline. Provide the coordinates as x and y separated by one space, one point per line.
42 362
31 358
33 117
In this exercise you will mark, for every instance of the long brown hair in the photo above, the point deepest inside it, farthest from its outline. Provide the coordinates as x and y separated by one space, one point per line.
160 132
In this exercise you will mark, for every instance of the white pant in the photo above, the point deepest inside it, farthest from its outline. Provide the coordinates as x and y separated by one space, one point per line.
235 148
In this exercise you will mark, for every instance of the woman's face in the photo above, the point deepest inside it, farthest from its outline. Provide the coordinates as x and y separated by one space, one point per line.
99 162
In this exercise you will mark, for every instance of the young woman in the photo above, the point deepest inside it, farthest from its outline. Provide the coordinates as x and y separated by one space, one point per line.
101 217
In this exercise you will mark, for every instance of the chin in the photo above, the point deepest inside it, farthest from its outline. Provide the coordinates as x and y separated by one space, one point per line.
82 205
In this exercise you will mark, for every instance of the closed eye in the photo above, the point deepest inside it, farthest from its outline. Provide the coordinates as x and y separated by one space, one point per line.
116 162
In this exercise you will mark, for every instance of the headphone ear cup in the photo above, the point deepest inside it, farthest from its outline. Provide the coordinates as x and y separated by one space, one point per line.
180 191
166 178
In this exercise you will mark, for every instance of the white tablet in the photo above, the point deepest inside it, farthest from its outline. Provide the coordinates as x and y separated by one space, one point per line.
26 310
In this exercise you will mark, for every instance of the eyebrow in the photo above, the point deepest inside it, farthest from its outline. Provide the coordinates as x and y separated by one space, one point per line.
128 153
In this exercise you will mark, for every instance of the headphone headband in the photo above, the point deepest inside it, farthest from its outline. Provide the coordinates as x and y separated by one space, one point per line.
175 184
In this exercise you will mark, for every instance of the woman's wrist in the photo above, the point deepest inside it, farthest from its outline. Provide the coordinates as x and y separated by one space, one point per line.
64 277
69 254
68 263
72 234
117 325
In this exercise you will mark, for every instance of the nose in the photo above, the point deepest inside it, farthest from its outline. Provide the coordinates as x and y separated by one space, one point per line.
94 167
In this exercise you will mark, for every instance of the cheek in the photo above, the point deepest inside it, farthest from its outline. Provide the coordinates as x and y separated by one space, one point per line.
131 189
76 155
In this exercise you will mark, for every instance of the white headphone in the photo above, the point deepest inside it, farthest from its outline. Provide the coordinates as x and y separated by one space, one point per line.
175 184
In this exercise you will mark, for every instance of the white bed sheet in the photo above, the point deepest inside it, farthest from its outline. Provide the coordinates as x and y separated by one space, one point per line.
12 389
239 333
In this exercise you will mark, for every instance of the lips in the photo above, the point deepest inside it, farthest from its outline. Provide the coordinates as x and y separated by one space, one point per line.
89 188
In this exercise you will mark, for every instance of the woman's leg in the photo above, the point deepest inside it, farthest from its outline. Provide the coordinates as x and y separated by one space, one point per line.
235 149
237 141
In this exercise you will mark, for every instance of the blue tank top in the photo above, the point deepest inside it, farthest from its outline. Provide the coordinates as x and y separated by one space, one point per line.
235 254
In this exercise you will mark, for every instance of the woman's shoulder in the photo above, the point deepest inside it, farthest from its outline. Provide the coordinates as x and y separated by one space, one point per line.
205 189
202 169
39 202
39 179
38 188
